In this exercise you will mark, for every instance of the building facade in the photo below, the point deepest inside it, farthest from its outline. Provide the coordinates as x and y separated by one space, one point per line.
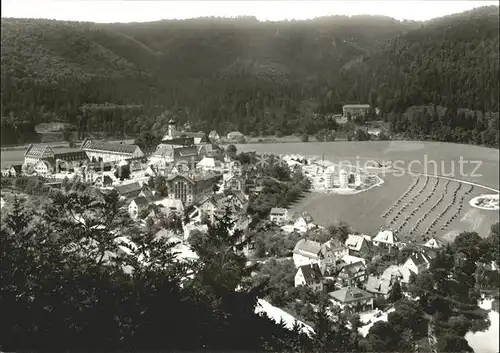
278 215
34 154
100 151
191 190
310 276
355 110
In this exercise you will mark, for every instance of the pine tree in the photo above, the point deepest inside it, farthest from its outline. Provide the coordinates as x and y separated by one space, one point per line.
395 293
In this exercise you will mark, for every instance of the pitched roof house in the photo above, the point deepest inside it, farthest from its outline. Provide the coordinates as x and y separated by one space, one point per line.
379 285
16 170
358 245
433 243
306 252
129 190
353 298
103 180
417 263
351 274
137 205
400 273
385 238
310 276
39 151
106 151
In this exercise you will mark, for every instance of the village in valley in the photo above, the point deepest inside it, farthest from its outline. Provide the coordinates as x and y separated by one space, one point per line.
189 182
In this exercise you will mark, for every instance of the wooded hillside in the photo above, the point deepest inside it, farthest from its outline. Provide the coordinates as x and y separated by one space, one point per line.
256 77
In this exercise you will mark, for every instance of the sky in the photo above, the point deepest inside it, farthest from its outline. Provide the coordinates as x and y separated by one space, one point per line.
143 11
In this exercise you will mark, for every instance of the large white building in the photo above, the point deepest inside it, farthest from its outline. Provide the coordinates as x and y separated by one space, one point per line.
329 177
344 179
355 110
100 151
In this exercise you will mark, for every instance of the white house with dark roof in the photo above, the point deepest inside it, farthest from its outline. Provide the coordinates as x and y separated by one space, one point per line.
278 215
417 263
101 151
310 276
162 154
334 249
385 238
191 189
103 181
307 252
209 163
234 183
351 274
173 205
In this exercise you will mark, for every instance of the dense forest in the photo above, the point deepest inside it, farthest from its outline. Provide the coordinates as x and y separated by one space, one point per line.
255 77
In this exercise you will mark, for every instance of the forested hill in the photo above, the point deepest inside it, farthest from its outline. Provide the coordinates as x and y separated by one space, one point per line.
450 61
240 73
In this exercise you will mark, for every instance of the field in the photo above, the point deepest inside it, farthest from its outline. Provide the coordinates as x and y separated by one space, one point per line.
407 204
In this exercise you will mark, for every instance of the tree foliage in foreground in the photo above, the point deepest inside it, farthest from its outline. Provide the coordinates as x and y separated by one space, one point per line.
68 283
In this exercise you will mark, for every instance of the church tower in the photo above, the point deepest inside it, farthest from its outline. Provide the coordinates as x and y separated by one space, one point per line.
171 128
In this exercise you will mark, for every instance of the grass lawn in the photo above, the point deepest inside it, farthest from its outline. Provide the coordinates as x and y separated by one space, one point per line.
362 211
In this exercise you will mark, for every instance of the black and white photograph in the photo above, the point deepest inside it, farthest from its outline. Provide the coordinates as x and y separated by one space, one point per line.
250 176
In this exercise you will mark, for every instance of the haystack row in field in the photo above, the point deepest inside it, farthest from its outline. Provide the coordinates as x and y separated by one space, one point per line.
410 189
418 208
433 208
449 206
410 202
